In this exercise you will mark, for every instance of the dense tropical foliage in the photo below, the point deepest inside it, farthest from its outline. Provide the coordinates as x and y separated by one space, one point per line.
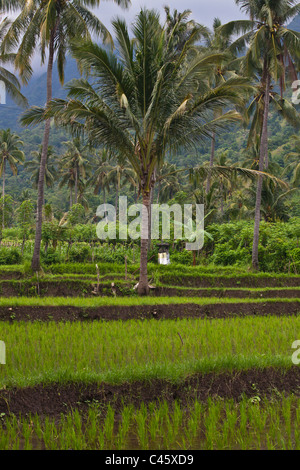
110 346
148 120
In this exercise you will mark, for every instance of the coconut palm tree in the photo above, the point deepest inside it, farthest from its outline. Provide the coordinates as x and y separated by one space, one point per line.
255 113
224 176
150 97
98 180
200 196
82 199
10 154
33 167
225 184
51 25
273 201
293 160
25 195
250 155
168 183
75 162
270 46
70 178
119 175
11 83
216 42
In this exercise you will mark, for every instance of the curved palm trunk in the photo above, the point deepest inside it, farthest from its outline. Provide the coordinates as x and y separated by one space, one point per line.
263 161
143 287
3 195
35 263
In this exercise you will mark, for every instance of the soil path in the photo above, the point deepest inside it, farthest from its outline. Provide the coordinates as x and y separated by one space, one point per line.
159 312
51 400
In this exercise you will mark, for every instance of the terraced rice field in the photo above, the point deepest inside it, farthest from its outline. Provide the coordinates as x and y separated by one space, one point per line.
204 362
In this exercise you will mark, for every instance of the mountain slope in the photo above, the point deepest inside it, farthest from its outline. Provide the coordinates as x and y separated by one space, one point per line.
35 91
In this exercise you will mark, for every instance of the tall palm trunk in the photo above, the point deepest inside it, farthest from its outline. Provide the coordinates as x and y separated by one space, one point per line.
222 200
35 264
104 202
76 185
117 199
150 210
3 194
143 287
263 161
211 161
149 218
158 192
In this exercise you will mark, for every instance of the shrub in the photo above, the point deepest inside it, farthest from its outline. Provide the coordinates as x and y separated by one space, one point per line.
295 255
79 254
10 256
50 257
183 257
13 233
225 256
114 253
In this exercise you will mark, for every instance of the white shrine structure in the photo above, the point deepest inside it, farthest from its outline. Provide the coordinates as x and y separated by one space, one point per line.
2 93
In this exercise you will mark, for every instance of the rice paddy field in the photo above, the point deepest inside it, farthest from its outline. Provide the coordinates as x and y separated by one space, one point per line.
206 362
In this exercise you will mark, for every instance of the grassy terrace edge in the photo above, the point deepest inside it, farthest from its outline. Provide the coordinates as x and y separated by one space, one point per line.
173 269
174 373
88 281
95 302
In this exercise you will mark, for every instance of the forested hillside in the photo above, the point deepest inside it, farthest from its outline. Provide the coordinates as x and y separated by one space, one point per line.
232 144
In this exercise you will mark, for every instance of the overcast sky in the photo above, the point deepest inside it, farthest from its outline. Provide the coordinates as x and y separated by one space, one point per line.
203 11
